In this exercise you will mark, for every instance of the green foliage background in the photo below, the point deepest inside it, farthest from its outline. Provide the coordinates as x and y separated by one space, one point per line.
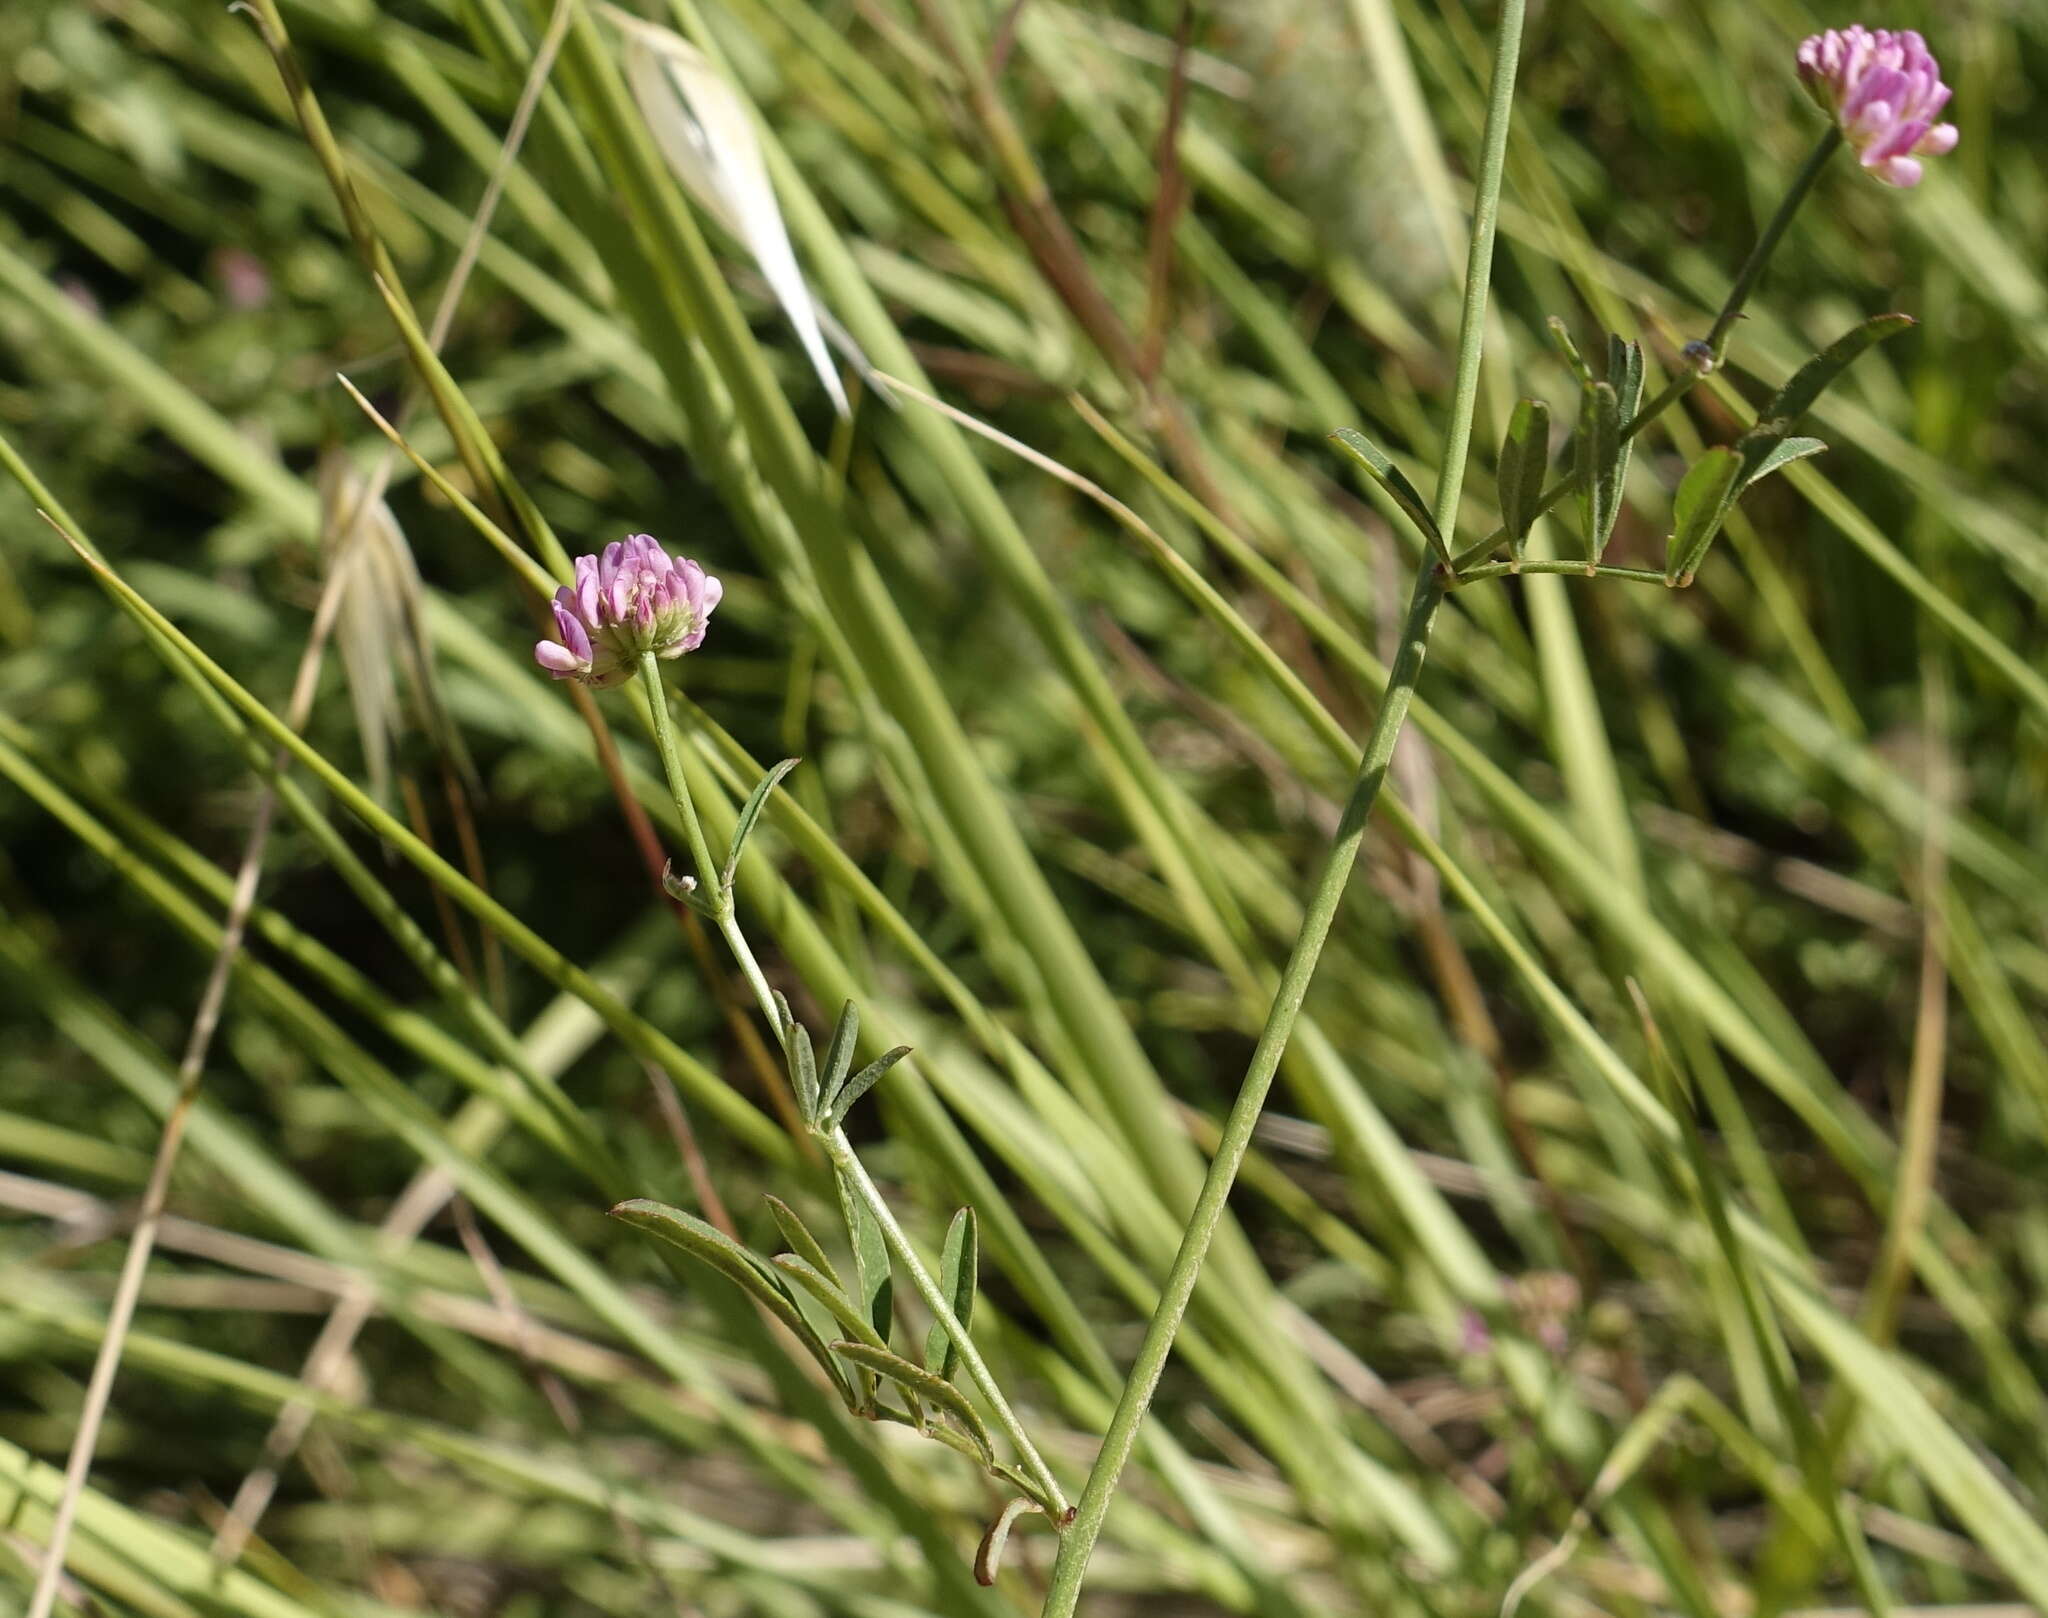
1801 806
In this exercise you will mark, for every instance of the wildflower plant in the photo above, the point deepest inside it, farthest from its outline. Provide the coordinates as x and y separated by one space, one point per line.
626 616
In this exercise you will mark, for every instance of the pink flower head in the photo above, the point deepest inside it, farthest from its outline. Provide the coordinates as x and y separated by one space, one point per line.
629 600
1884 91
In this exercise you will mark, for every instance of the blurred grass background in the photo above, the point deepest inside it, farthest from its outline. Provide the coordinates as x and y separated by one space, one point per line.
1800 807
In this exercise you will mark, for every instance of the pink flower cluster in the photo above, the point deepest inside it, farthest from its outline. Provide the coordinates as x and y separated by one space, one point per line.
629 600
1884 90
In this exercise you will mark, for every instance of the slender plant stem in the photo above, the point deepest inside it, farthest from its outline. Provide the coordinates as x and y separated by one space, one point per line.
1078 1542
1716 341
1752 269
837 1146
1493 154
709 888
1295 977
757 980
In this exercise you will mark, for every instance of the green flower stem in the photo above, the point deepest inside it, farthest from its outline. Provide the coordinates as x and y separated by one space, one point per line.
1153 1352
1078 1542
1752 269
1680 385
840 1150
709 888
837 1146
1493 155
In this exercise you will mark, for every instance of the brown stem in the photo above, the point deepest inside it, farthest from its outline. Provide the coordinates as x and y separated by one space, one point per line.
1167 204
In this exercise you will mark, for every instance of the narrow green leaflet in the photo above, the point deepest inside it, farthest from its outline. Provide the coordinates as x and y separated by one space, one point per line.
838 1058
958 1264
803 1067
861 1083
1625 374
1391 478
1764 449
1797 396
1524 457
1707 491
801 1241
917 1381
706 1242
1600 451
1561 340
712 1246
750 811
1782 452
872 1276
834 1298
1585 451
1600 464
1711 487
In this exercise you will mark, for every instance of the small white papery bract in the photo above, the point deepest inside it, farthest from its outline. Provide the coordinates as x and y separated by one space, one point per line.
702 127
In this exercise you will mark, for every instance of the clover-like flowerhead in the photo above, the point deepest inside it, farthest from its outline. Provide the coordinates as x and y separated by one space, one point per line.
1884 91
628 600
